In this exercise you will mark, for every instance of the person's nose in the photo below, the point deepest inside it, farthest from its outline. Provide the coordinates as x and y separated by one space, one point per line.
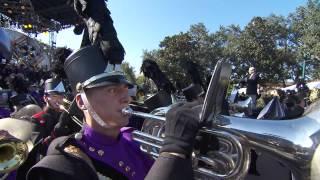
125 98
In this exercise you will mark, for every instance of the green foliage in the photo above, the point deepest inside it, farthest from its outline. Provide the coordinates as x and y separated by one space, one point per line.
140 80
275 45
314 95
306 24
129 72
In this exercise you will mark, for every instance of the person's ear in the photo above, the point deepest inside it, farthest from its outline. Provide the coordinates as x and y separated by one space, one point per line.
45 98
80 103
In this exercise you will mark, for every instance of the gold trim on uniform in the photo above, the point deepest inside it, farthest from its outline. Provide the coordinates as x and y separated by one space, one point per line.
121 163
91 149
100 152
77 152
127 168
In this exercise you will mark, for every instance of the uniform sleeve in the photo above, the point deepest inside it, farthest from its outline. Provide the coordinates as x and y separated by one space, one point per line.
171 167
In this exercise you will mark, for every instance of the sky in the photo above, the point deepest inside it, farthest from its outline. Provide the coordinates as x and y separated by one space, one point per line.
143 24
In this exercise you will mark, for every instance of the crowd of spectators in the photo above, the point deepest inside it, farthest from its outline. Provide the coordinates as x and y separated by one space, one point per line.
10 73
20 85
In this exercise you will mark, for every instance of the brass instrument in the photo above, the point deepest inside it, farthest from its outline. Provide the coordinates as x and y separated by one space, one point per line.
12 154
26 111
293 143
15 143
65 107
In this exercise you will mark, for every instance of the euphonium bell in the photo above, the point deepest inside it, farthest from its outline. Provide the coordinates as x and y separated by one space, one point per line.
13 152
15 136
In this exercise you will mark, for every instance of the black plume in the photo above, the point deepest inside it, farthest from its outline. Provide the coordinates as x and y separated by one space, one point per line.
99 29
78 29
60 56
193 72
151 70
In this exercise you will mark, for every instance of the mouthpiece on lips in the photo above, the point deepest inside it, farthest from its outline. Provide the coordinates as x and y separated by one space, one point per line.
127 111
61 107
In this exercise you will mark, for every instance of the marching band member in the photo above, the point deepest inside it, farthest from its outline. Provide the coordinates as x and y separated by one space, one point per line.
104 148
46 120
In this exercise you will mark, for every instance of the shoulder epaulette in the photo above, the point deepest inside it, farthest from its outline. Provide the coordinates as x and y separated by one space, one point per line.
39 117
75 151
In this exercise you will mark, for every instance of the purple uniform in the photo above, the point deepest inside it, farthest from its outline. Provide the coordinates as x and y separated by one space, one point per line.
4 112
122 154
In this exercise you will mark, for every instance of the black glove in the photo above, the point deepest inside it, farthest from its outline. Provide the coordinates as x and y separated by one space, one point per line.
182 124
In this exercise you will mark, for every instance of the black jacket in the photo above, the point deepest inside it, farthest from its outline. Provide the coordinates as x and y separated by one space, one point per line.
252 84
64 164
45 122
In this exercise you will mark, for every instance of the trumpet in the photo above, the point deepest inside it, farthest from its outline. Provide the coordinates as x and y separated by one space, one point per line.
65 107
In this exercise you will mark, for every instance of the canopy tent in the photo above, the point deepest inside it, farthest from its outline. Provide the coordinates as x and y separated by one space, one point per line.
37 16
311 85
27 50
5 44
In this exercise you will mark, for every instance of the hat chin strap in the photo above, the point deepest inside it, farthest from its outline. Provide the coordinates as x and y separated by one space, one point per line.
90 110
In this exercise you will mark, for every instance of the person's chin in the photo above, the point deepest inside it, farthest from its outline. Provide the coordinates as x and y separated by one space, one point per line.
124 121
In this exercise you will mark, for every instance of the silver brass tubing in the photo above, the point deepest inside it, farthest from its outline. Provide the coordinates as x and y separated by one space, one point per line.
205 159
151 153
77 121
145 142
139 133
129 111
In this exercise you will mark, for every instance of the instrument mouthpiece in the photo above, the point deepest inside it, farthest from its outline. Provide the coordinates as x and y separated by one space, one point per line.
127 111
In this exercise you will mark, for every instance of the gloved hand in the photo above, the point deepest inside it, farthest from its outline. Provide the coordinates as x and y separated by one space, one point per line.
182 125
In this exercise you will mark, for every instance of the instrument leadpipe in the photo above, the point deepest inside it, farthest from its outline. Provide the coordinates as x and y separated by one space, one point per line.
128 111
74 118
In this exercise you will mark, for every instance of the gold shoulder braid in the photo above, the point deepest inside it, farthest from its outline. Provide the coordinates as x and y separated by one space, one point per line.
71 149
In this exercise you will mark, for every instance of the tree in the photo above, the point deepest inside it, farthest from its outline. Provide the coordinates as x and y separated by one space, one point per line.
227 40
195 45
275 45
286 55
306 24
129 72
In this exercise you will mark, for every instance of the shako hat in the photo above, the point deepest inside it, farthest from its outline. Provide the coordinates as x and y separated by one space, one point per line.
87 68
54 86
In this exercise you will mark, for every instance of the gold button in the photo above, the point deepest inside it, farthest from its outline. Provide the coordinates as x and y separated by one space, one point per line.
91 149
121 163
133 173
127 168
100 152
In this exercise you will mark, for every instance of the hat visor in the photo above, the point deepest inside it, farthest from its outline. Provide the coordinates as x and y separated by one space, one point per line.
108 81
55 93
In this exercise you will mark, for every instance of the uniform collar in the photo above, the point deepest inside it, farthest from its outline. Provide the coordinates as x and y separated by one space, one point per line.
97 137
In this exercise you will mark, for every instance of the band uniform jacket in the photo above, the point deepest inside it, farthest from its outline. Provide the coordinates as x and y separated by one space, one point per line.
93 156
45 122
